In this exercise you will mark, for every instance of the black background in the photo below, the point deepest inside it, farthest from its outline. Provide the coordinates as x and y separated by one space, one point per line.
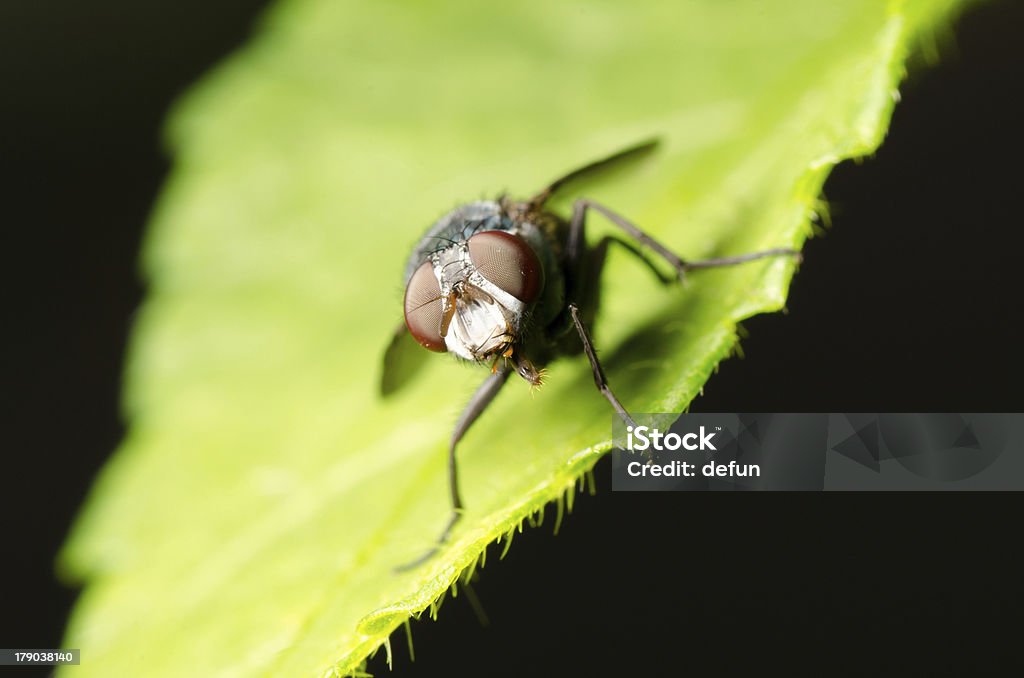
910 303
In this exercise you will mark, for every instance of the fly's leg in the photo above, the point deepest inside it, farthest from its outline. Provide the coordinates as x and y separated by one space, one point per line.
600 251
599 379
582 284
482 397
583 289
574 244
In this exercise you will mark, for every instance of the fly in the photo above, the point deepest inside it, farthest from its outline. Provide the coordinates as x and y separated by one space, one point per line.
511 285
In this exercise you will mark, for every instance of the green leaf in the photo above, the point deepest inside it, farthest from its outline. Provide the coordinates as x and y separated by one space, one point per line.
251 521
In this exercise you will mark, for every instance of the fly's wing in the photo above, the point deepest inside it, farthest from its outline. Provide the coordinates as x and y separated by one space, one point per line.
596 167
402 360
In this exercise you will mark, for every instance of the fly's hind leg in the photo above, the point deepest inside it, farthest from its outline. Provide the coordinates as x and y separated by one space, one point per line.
482 397
577 226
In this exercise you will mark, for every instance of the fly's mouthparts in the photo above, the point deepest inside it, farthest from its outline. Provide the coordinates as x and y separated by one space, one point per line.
447 313
526 370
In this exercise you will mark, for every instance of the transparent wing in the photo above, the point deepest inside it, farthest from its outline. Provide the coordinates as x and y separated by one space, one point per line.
402 360
596 167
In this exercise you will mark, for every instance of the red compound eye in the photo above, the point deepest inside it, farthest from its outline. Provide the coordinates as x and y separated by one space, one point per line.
508 262
423 308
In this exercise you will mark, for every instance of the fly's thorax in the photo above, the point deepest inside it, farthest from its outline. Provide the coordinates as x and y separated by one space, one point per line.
457 226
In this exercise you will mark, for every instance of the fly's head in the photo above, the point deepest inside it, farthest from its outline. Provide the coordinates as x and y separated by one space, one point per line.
473 298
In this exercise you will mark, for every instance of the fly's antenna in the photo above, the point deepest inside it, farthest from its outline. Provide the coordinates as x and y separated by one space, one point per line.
633 152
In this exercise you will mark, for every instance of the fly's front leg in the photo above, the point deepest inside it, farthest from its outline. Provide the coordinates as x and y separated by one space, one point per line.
474 408
482 397
575 244
599 379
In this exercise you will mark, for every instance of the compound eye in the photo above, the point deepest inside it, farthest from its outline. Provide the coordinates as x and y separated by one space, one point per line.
508 262
423 308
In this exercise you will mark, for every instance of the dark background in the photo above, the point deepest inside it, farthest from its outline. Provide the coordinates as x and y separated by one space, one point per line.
909 303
